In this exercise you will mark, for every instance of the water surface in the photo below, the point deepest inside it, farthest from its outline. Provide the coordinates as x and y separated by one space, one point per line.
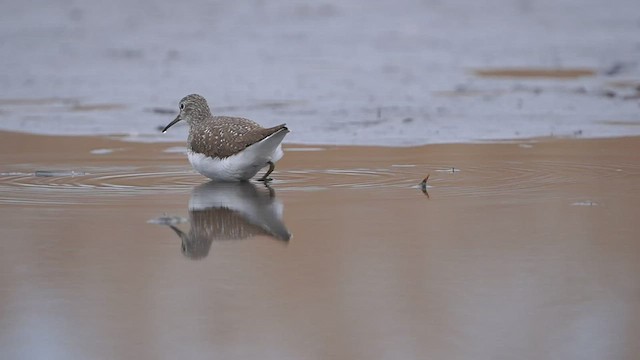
520 250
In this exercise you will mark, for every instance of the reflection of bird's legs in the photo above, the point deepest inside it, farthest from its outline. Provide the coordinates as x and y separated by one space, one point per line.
272 193
266 177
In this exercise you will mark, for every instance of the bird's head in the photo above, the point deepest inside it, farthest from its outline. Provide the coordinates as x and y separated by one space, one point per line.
193 109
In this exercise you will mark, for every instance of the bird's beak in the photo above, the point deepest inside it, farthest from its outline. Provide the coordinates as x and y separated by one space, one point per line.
171 124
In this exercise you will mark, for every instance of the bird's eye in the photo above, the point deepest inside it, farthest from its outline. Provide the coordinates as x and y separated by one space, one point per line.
181 106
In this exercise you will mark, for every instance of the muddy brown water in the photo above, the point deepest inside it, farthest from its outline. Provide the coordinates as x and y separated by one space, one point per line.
520 250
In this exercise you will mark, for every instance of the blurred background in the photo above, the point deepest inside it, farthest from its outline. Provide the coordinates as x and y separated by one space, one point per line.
402 72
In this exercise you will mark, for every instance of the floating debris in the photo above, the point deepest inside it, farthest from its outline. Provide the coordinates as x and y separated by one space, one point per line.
167 220
103 151
450 170
585 203
58 173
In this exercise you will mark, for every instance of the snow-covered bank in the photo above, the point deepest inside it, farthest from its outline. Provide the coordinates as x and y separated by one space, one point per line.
338 72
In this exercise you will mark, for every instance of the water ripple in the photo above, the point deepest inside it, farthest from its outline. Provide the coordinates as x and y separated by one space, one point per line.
506 178
56 188
498 178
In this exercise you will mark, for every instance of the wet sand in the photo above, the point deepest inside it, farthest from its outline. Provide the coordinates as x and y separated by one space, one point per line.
526 249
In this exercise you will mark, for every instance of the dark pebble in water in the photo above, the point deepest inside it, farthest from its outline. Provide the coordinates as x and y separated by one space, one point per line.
58 173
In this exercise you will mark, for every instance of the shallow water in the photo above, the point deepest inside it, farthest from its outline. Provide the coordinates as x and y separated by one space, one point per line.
520 250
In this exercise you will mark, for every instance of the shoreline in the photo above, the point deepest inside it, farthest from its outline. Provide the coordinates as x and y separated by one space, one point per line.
113 140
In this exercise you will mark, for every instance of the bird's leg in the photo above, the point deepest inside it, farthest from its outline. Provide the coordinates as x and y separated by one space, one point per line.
266 177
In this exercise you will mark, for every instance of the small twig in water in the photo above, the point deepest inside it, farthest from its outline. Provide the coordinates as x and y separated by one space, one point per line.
423 186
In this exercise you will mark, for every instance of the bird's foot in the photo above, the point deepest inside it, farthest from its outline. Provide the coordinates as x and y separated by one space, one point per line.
266 177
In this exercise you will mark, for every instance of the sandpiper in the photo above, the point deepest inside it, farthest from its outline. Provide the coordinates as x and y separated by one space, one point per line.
228 148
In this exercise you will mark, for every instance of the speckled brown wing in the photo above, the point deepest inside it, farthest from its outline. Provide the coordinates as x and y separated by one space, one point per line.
224 136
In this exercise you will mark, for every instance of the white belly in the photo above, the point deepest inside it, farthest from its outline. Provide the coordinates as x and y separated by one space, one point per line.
241 166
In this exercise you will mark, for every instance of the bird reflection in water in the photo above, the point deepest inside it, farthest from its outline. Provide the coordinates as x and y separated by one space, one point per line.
230 211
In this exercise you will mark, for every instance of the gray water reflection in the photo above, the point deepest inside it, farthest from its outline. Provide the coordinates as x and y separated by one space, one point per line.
230 211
